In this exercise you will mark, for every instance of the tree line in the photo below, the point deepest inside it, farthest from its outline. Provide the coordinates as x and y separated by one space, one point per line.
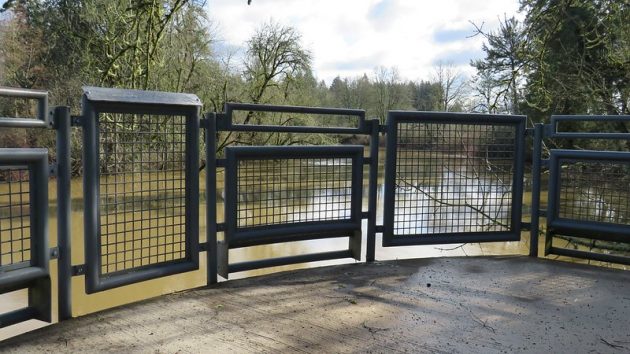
565 57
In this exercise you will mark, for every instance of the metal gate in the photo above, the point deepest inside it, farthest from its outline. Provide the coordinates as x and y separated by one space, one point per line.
587 200
141 185
305 192
453 178
24 248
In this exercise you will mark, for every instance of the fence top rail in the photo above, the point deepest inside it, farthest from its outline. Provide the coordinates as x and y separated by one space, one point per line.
22 155
140 97
555 121
41 121
455 117
596 155
231 107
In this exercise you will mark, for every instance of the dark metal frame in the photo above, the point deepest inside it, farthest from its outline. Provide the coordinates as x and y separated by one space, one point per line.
41 121
569 227
395 117
284 233
99 100
35 276
581 228
261 235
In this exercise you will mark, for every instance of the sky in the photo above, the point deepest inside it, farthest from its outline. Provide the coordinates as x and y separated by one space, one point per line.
352 37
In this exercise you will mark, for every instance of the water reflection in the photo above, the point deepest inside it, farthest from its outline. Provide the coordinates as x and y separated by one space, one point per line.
458 202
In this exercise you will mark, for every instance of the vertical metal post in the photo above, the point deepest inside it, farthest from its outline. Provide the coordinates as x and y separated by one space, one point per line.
372 192
211 197
62 121
535 217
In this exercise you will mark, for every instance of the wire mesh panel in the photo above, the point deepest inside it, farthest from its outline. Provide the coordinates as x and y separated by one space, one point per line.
24 250
15 219
141 185
595 191
142 190
453 178
588 194
272 191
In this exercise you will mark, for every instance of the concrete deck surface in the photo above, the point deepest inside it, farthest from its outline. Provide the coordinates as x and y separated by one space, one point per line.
440 305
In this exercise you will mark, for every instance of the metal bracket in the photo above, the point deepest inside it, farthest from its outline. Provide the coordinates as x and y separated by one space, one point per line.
220 162
542 213
203 246
548 129
221 227
76 121
365 214
78 270
544 163
204 123
382 128
54 253
52 170
526 226
379 229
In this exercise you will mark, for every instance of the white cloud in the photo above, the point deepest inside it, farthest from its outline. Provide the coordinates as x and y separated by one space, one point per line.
351 37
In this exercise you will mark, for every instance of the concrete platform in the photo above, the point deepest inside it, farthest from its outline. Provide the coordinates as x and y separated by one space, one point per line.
440 305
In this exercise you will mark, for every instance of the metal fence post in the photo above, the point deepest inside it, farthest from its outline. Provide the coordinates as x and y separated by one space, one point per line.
372 192
211 197
535 217
62 121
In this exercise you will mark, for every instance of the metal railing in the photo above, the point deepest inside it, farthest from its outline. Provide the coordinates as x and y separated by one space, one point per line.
587 191
448 178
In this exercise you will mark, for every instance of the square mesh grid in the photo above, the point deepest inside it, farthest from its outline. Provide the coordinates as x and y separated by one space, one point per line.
15 219
142 190
295 190
595 191
453 178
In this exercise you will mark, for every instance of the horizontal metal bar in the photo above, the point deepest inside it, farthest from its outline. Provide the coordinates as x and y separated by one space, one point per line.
452 117
22 123
556 119
228 123
140 274
20 278
231 106
273 237
595 155
287 152
41 121
141 97
292 129
590 229
17 316
280 261
285 232
410 240
19 156
589 255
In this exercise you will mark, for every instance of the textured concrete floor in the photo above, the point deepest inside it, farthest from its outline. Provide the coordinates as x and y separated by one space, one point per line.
467 305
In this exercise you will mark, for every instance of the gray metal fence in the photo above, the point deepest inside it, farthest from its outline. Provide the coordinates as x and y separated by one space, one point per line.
448 178
588 206
24 250
453 178
141 185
